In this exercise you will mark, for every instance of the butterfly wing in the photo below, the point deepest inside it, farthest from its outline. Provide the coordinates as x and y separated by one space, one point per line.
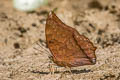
86 45
62 41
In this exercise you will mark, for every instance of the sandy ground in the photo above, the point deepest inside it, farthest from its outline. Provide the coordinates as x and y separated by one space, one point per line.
20 32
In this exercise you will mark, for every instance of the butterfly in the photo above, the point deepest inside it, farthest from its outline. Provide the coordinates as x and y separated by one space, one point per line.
67 46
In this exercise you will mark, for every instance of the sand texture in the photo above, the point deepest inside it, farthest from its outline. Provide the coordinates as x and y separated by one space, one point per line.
21 58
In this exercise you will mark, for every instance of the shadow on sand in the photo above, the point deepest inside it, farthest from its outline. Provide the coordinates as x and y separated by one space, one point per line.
57 72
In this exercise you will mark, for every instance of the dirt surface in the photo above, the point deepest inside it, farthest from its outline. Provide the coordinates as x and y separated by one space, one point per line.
21 58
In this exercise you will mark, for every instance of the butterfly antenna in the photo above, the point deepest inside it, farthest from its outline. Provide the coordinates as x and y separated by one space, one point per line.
39 50
43 49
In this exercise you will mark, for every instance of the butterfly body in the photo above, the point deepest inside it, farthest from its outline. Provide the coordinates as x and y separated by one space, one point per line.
68 47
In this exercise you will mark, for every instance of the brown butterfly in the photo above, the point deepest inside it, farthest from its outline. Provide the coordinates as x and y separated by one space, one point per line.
68 47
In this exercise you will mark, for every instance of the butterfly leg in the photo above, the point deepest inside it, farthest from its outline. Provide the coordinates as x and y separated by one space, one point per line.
70 71
51 68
